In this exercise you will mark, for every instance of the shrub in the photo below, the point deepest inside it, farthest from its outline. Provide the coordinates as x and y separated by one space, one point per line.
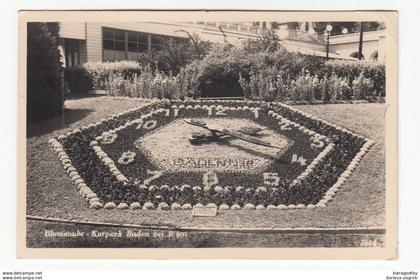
261 70
77 79
146 84
44 72
374 71
99 72
217 74
270 74
335 88
95 75
176 53
269 86
362 87
268 41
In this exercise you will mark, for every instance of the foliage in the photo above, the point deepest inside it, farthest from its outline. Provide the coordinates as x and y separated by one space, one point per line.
77 79
375 71
268 41
217 74
272 85
94 75
44 83
175 54
99 72
146 84
362 87
261 69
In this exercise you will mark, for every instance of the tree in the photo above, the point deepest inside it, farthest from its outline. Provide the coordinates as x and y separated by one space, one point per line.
176 53
44 72
268 41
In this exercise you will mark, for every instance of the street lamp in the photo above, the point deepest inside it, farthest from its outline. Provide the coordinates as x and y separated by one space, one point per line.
360 52
328 30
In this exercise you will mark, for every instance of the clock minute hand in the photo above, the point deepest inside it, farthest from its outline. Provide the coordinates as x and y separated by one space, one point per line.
249 138
244 137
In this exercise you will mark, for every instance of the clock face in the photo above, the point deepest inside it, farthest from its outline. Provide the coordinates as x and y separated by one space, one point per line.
205 152
182 147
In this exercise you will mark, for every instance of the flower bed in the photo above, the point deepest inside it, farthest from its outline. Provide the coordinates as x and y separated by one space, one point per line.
114 166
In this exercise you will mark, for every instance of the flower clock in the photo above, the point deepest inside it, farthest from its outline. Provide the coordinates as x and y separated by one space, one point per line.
173 155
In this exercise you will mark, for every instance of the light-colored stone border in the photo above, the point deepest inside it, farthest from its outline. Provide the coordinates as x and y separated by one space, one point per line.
75 177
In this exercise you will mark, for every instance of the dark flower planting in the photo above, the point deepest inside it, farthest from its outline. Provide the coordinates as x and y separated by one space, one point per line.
110 171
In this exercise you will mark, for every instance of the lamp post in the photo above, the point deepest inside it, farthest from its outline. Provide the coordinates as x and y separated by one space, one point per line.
360 53
328 30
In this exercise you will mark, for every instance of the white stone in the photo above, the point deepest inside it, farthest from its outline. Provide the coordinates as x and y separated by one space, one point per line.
260 207
163 206
109 205
135 205
176 206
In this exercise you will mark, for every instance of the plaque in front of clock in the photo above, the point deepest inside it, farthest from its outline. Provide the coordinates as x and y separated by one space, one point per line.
232 155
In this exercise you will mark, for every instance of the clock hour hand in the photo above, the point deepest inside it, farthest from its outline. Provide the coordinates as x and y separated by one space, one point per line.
219 130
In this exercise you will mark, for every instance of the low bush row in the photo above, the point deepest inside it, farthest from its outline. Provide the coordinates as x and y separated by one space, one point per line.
96 75
275 87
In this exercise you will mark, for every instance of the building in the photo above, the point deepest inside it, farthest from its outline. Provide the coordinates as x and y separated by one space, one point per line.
373 45
305 40
96 41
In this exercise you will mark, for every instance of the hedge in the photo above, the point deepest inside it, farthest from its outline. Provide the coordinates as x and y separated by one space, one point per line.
95 75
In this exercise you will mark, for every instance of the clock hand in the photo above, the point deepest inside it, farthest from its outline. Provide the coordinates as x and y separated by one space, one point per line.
250 139
244 137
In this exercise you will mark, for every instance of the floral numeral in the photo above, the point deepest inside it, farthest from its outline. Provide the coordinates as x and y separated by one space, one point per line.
155 174
256 112
210 178
316 142
209 110
220 111
298 160
271 179
126 158
176 110
285 126
167 112
109 137
150 124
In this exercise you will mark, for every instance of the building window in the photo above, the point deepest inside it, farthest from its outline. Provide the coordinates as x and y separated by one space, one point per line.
72 52
156 43
114 44
128 45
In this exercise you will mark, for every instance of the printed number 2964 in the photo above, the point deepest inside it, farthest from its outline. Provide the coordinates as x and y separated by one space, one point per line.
369 243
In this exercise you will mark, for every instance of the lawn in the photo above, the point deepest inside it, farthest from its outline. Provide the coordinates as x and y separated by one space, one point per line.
360 203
